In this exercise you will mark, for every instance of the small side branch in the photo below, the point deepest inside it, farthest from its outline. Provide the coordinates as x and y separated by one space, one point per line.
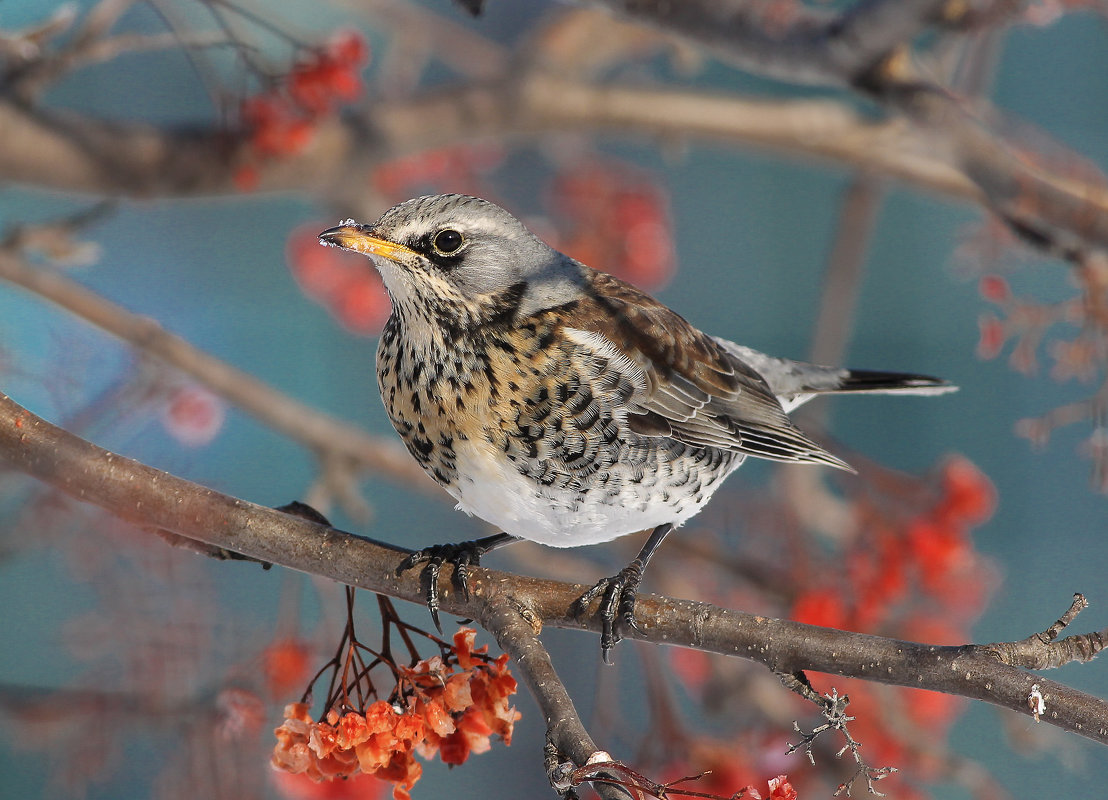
516 629
1045 650
833 707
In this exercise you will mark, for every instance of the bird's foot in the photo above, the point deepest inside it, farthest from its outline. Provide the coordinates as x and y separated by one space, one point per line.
461 555
617 605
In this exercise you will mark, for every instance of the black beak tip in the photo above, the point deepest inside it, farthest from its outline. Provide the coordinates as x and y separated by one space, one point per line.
334 237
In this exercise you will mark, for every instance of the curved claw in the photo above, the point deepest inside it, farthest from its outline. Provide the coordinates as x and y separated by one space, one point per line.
461 555
617 605
618 593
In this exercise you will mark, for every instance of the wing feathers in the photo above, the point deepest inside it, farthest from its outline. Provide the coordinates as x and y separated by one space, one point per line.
685 385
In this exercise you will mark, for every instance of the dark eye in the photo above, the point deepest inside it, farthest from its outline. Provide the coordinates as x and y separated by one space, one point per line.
448 241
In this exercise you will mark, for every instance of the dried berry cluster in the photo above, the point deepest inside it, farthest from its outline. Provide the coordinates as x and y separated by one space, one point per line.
451 704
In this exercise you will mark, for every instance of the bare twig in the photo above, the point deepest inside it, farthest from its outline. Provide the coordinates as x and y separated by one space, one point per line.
1045 650
833 708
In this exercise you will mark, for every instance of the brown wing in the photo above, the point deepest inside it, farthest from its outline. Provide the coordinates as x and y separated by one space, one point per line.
689 388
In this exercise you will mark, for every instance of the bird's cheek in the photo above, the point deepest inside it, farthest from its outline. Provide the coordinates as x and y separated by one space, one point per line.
397 280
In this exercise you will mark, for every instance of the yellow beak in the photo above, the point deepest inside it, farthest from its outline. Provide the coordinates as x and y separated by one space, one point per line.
357 239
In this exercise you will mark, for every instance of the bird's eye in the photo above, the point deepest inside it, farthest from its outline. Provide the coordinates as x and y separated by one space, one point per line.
447 242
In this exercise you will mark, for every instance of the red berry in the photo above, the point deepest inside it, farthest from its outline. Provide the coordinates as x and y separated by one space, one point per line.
992 336
363 306
823 607
193 415
994 288
969 495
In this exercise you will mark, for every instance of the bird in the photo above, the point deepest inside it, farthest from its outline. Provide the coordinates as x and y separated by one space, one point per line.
561 404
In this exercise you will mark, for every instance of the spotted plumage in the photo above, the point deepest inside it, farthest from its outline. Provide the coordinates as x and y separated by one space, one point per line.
560 403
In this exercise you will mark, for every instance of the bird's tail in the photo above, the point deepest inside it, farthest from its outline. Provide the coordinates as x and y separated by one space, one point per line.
808 381
864 380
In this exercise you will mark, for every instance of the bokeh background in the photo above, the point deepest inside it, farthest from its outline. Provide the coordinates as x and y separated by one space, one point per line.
751 232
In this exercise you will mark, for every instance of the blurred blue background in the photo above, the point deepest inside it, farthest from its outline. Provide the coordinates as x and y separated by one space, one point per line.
753 233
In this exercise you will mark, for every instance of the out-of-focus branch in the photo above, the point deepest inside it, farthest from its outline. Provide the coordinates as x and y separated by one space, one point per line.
415 27
333 441
939 142
791 42
861 47
820 508
1057 213
149 497
70 152
842 276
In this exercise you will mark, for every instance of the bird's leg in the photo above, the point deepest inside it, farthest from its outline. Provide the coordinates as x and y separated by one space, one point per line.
617 593
461 555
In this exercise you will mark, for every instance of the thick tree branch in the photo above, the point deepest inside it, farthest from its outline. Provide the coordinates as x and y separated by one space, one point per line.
149 497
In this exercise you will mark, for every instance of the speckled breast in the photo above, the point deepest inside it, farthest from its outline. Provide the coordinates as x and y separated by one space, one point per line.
528 437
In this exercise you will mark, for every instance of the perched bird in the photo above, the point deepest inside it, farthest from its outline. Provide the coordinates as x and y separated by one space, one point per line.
561 404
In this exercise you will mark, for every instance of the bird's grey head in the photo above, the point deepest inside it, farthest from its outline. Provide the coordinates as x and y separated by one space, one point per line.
452 250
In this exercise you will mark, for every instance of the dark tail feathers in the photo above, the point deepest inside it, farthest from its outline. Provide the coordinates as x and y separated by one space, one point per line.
864 380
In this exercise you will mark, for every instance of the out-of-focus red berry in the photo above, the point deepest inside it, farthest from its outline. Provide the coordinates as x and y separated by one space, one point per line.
994 288
246 177
287 664
968 494
281 121
320 271
692 667
938 547
457 169
615 219
992 336
823 607
346 284
362 306
193 415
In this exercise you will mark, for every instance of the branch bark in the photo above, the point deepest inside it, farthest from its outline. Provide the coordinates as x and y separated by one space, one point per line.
150 497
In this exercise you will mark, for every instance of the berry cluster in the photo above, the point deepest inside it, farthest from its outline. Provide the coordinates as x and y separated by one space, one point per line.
615 219
281 121
895 558
461 168
451 704
930 551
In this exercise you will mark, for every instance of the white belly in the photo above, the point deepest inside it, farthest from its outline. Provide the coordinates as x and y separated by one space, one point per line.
491 488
